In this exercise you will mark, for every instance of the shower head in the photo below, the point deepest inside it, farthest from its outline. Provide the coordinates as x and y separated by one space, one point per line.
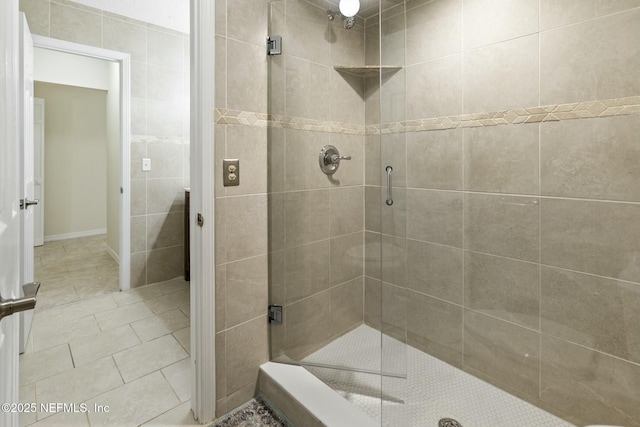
349 22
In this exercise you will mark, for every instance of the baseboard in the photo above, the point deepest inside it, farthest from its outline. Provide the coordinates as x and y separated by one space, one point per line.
113 254
75 235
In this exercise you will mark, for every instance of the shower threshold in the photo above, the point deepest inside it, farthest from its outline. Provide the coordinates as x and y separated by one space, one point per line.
432 390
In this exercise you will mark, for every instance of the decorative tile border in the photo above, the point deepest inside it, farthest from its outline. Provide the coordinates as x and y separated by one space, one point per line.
547 113
235 117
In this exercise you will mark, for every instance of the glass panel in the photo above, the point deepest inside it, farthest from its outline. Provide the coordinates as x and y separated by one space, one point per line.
317 101
392 234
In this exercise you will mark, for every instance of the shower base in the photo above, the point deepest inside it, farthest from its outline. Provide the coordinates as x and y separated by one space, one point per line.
431 391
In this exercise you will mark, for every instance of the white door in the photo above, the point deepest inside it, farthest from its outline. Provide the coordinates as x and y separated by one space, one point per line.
38 171
10 253
27 162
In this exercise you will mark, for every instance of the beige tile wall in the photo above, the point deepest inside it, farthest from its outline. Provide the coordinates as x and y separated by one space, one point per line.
242 237
159 123
521 244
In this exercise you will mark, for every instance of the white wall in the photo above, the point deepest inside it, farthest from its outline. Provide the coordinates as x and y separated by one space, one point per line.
113 160
172 14
75 159
68 69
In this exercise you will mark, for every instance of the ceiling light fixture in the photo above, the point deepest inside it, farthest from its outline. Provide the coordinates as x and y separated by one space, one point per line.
349 8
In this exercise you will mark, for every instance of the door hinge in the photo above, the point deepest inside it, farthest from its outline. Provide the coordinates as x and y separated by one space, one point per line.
275 314
274 45
200 220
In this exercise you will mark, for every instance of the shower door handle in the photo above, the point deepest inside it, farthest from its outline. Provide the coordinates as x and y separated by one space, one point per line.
389 186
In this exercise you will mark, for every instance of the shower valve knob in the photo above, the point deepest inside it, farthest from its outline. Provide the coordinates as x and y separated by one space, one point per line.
330 159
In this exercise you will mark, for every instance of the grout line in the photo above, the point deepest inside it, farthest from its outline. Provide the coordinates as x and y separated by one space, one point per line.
242 323
118 369
621 12
73 362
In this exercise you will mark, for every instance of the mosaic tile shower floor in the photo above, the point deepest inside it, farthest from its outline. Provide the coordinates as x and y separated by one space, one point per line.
431 391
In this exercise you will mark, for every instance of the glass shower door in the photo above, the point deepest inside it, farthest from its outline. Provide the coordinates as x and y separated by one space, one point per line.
320 251
387 185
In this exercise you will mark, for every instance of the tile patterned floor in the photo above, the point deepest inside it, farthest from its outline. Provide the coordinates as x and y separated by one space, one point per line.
91 344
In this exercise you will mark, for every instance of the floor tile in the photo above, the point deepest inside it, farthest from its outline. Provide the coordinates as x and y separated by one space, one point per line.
55 297
83 320
130 296
179 377
167 302
85 350
87 308
45 363
134 403
48 336
179 416
148 357
79 384
161 324
64 419
123 315
27 396
184 337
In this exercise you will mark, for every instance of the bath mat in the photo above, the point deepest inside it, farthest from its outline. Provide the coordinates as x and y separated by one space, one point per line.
255 413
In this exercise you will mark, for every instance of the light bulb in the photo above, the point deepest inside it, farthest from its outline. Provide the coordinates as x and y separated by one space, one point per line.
349 8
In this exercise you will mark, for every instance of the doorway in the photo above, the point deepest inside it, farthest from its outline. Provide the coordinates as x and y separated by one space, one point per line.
77 118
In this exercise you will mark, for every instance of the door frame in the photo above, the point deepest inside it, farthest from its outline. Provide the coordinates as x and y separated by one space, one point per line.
10 249
40 206
124 60
202 201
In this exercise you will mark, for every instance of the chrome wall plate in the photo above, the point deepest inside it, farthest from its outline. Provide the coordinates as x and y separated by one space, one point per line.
329 159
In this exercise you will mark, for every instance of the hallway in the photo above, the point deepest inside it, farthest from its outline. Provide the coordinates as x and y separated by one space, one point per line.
92 344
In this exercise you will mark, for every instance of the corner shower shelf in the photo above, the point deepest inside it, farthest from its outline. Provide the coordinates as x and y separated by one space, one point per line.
367 70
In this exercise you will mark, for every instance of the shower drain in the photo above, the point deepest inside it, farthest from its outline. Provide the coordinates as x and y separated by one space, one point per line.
448 422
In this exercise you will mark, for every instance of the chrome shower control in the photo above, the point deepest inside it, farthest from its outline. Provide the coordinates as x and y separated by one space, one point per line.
329 159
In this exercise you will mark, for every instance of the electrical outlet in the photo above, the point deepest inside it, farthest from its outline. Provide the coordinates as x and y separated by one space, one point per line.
146 165
231 172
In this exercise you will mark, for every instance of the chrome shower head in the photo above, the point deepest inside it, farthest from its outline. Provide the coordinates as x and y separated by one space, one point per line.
349 22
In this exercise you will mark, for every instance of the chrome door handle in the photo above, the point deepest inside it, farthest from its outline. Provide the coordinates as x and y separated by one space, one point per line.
25 203
389 186
16 305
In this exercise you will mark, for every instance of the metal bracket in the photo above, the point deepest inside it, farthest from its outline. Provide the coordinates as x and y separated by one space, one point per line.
16 305
275 314
274 45
200 220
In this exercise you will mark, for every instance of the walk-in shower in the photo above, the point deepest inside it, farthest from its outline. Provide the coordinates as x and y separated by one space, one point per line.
477 260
